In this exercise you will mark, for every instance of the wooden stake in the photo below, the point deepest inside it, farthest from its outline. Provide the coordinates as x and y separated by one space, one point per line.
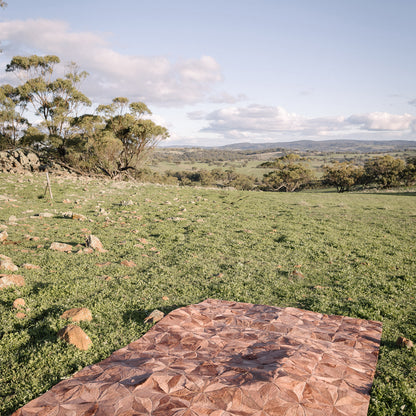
48 186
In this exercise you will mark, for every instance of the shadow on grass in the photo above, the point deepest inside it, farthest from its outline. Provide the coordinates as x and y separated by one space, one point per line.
39 328
139 315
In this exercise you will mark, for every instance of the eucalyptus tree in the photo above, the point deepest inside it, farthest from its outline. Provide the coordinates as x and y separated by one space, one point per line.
385 171
12 123
342 175
128 134
290 173
55 100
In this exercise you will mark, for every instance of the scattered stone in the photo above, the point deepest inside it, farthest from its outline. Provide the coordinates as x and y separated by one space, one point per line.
155 316
74 335
8 265
107 263
126 203
404 342
12 219
94 243
19 303
297 273
30 266
6 198
3 235
128 263
7 280
77 314
45 215
66 201
79 217
4 257
86 250
61 247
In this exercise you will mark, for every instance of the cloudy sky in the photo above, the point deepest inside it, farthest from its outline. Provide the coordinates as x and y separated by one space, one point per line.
216 72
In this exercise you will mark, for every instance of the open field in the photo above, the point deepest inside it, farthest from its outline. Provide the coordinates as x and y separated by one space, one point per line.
248 162
349 254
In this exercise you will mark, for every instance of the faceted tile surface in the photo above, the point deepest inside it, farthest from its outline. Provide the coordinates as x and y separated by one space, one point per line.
223 358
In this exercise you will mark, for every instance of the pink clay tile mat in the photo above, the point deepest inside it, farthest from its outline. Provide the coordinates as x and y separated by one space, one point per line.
223 358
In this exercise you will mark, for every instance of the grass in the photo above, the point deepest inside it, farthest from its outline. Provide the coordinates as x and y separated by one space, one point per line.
356 252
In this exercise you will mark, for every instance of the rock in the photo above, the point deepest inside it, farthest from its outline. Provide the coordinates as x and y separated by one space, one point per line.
12 219
404 342
126 203
61 247
8 265
3 257
74 335
128 263
87 250
20 315
18 161
19 303
3 235
46 215
29 266
93 242
79 217
297 273
77 314
155 316
66 201
7 280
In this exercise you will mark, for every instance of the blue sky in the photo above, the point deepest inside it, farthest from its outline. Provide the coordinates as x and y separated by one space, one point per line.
219 72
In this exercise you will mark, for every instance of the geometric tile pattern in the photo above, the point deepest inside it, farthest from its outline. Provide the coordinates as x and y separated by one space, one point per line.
223 358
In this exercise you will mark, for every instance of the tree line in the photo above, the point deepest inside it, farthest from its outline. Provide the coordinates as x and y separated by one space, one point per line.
49 113
380 171
290 173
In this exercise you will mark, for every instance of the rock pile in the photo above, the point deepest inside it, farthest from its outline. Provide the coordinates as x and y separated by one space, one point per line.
19 161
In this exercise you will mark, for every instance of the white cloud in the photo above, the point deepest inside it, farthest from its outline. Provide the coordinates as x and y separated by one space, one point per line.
152 79
258 122
383 121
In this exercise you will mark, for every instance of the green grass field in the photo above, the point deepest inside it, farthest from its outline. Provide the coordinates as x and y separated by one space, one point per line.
356 253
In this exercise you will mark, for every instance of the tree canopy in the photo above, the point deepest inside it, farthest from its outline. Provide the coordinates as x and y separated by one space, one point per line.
114 138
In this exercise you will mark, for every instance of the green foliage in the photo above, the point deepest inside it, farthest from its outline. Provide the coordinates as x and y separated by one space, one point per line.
11 121
385 171
54 100
279 162
342 175
409 172
136 135
289 177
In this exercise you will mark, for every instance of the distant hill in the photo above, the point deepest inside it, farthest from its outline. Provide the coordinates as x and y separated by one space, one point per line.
328 145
